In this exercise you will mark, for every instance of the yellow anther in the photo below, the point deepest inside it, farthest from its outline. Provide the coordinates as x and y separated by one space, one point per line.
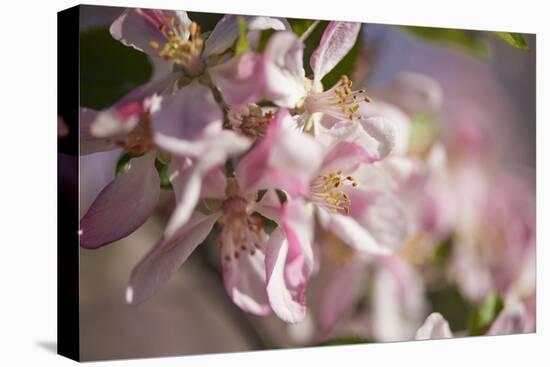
193 28
324 192
185 51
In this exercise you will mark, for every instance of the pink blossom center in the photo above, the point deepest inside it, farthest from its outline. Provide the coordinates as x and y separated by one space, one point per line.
139 140
242 234
250 120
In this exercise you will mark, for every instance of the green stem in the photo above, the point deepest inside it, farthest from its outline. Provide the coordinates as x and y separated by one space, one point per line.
309 31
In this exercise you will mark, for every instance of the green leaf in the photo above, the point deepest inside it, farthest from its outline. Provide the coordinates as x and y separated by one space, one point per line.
482 317
346 341
513 39
242 44
470 41
108 69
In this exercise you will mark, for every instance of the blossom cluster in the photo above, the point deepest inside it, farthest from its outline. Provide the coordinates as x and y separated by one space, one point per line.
296 178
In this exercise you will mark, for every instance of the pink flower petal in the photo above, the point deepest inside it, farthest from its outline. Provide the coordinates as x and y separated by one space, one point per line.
88 143
96 172
350 232
383 215
289 261
435 327
138 28
399 305
259 23
284 71
511 320
269 206
345 156
413 93
109 124
245 281
188 174
297 222
124 205
397 119
100 129
158 266
226 31
186 182
186 119
241 79
287 302
338 39
214 184
341 294
348 145
473 277
285 159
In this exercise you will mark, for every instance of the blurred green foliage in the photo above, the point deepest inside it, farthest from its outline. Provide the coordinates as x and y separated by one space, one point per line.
424 130
108 69
123 164
207 21
242 44
470 41
473 42
481 318
443 252
513 39
164 174
300 26
449 302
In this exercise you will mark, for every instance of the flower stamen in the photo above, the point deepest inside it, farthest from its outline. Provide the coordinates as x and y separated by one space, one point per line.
326 190
340 101
183 46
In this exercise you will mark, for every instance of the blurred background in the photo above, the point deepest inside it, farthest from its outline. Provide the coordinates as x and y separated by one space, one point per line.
487 105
